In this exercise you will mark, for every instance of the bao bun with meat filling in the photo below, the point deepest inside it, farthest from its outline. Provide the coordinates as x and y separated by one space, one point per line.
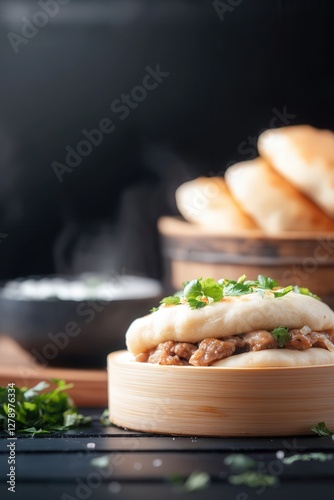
236 324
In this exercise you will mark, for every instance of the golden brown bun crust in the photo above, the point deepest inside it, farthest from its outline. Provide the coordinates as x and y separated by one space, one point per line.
274 203
231 316
206 201
304 155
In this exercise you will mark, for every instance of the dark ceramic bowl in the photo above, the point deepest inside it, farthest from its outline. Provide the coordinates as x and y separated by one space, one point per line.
62 323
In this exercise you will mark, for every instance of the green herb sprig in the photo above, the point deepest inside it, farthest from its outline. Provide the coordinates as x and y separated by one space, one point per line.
281 334
244 470
321 430
38 411
200 292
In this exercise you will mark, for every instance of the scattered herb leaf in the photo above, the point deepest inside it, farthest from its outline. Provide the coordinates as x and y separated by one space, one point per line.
266 282
196 481
33 431
104 418
305 291
38 412
307 457
193 289
321 429
100 462
172 299
196 304
242 278
253 479
238 462
248 471
212 289
283 291
281 334
200 292
234 288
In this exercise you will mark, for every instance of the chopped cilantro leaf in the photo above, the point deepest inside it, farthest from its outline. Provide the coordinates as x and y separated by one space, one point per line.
193 289
253 479
266 282
172 299
281 334
305 291
154 309
212 288
321 429
242 278
239 462
197 290
307 457
283 291
38 412
196 481
104 418
196 304
233 288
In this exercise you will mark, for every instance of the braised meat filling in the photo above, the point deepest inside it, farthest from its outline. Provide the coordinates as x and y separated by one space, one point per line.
209 350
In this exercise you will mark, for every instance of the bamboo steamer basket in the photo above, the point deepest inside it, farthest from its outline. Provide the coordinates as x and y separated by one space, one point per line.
217 401
304 259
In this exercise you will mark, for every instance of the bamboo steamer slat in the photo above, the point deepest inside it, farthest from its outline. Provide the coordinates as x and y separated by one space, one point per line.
304 259
216 401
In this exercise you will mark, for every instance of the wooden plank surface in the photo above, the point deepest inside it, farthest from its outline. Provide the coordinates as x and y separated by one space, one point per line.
18 366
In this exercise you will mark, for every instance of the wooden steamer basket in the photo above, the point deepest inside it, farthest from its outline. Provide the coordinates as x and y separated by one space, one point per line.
305 259
217 401
225 401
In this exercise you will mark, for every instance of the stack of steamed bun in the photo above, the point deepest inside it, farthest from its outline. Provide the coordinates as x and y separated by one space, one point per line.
289 187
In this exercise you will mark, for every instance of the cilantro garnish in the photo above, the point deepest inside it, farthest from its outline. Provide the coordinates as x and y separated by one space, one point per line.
172 299
193 289
197 480
282 291
212 289
38 412
305 291
281 334
196 303
233 288
266 282
321 429
200 292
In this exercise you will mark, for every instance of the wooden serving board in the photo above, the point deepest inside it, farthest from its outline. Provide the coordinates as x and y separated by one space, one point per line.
19 367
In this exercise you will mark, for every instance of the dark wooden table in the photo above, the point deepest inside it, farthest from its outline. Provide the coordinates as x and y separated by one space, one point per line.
134 465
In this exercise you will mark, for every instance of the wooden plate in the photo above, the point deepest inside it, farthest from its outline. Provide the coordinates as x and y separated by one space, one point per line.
216 401
19 367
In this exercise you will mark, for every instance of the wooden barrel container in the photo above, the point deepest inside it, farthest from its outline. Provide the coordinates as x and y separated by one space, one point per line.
304 259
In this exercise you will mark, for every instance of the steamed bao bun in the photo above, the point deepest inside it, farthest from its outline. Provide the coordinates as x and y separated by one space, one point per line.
235 315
